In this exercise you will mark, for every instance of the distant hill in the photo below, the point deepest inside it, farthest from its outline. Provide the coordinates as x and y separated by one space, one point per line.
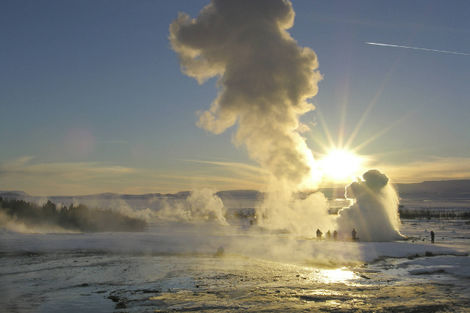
239 194
13 194
443 189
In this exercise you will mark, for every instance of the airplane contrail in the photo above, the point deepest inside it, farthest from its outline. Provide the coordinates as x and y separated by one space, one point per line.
416 48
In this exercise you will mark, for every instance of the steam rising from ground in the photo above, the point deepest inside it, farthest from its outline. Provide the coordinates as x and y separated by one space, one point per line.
294 213
108 214
200 206
265 80
13 224
374 214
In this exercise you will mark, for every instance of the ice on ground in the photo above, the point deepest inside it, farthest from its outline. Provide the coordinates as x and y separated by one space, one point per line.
171 267
457 266
206 239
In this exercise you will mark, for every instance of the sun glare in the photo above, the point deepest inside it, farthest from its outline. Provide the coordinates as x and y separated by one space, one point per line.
339 275
340 165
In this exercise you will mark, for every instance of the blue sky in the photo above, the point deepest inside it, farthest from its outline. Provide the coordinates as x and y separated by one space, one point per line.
93 99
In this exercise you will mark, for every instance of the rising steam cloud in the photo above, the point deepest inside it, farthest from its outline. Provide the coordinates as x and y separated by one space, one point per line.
264 77
200 206
374 213
265 80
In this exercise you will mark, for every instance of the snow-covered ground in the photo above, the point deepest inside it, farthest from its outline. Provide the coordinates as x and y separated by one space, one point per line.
219 268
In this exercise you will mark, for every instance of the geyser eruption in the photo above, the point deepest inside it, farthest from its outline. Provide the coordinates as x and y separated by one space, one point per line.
264 77
374 213
265 80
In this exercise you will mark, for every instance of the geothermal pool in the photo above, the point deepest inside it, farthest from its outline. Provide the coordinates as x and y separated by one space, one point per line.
253 271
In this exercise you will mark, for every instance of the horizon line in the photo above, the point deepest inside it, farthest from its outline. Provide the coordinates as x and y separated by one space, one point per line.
172 193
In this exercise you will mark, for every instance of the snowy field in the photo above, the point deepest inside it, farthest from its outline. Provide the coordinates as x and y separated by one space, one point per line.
219 268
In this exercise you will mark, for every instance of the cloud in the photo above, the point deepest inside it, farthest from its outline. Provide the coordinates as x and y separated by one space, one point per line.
77 178
432 168
238 167
67 169
60 177
264 77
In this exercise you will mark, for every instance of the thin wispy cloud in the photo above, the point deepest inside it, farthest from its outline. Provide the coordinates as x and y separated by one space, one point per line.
240 174
416 48
236 165
432 168
46 178
28 174
215 181
69 169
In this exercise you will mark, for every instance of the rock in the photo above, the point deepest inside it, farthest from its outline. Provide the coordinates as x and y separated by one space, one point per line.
113 298
120 305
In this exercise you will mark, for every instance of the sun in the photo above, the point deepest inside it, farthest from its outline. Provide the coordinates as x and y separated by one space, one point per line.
340 165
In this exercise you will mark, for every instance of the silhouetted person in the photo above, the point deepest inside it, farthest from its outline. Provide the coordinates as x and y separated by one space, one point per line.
220 252
319 234
328 235
432 236
354 233
335 235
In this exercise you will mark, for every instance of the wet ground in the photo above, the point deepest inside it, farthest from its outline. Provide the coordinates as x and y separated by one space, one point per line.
100 280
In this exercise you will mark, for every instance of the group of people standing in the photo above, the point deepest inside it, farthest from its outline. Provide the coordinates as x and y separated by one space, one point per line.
335 235
353 235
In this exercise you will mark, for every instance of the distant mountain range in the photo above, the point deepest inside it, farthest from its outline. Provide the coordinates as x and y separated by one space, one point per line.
444 189
455 189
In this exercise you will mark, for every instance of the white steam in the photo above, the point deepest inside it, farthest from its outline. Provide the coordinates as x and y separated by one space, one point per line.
200 206
10 223
284 210
265 80
374 214
264 77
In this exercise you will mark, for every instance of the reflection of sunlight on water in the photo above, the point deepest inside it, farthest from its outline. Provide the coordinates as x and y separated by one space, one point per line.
339 275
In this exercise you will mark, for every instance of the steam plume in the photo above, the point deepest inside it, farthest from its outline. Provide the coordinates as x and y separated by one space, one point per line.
264 77
374 214
200 206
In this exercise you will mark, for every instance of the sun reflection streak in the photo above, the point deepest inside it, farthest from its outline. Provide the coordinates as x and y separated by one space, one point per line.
339 275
